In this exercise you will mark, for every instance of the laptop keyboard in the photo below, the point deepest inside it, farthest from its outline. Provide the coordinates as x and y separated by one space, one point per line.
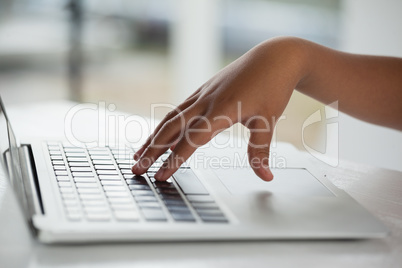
96 184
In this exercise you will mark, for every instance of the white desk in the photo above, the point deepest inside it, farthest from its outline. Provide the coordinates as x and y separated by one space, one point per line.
379 190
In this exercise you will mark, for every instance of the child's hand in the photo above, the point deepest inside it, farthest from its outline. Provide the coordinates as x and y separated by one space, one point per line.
253 91
261 83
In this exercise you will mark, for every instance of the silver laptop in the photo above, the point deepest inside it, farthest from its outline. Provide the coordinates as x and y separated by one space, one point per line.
84 194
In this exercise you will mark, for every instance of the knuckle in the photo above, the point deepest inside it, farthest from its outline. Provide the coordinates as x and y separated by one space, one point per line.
171 114
263 152
168 125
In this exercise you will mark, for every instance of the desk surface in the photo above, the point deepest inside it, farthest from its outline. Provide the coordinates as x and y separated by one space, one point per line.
378 190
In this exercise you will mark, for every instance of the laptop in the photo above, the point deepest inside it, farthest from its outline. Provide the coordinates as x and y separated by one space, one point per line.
88 194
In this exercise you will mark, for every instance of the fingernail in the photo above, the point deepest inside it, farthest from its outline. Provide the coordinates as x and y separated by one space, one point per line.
136 156
134 169
159 175
269 173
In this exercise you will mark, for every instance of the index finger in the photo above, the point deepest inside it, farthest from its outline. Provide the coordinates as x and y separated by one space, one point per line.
168 117
199 134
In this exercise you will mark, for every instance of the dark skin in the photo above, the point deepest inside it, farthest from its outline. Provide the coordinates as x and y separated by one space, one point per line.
262 80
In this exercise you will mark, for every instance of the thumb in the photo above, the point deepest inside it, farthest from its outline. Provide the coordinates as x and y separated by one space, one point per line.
258 152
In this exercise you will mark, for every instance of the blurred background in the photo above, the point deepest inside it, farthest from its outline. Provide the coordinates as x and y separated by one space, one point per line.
134 53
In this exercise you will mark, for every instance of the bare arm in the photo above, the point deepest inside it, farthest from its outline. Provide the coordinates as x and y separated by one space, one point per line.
262 81
367 87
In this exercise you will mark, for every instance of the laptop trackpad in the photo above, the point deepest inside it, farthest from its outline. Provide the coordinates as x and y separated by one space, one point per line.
290 181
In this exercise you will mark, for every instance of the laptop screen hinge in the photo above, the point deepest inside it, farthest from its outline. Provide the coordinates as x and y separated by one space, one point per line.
31 183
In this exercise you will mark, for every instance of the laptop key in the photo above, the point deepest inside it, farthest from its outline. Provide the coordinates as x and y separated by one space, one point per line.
61 173
93 203
213 219
126 171
114 188
106 172
72 209
98 216
177 216
77 159
120 200
96 209
123 156
171 202
167 191
82 174
67 195
125 161
85 179
64 184
178 208
85 196
102 162
124 206
78 164
116 194
59 167
62 178
215 213
153 214
73 150
153 169
73 216
81 169
56 157
142 192
57 162
71 202
171 197
139 187
127 166
86 184
66 190
89 190
100 157
53 147
53 143
112 183
126 215
132 176
160 184
210 211
152 204
98 153
105 167
145 198
74 154
211 205
109 177
137 180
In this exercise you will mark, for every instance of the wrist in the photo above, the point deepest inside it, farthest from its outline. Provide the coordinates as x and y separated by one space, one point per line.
290 54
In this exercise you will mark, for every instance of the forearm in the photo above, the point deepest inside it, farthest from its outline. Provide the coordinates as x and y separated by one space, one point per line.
366 87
